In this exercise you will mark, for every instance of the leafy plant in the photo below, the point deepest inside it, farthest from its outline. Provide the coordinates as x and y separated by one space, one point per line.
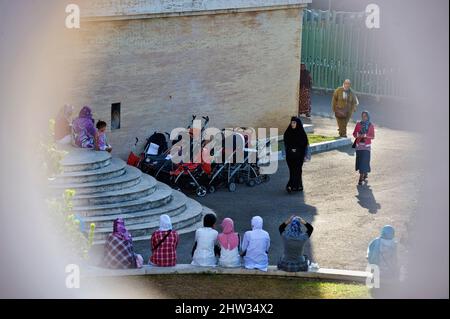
51 155
68 226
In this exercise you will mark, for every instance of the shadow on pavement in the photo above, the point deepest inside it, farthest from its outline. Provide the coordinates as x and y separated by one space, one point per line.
366 199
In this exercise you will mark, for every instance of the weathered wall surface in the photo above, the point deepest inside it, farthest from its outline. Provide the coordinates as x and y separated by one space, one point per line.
119 7
241 69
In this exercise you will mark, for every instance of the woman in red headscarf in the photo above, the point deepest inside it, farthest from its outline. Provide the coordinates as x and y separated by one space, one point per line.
229 245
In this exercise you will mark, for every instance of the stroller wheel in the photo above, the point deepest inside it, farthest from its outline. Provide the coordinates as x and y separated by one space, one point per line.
251 183
201 191
212 189
258 180
232 187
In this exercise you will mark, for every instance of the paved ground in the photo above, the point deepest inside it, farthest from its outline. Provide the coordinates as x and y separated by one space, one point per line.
346 217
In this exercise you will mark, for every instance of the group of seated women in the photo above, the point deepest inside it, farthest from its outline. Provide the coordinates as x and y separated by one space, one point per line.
212 249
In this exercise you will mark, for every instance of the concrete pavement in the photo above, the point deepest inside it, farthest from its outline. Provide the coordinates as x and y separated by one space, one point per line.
346 217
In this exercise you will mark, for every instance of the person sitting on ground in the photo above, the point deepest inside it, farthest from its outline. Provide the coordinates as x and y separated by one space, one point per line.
119 253
63 127
382 251
205 247
101 142
255 246
164 244
229 245
83 129
294 240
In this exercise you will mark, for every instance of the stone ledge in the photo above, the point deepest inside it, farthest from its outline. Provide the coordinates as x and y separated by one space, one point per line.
186 269
143 9
323 147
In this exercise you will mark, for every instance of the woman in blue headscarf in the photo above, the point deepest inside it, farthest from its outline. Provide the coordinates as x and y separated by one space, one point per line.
364 133
382 251
294 240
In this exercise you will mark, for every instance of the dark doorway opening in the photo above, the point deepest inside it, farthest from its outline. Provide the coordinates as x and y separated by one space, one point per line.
115 116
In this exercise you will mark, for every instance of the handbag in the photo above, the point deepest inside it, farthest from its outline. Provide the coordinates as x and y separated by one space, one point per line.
342 113
308 154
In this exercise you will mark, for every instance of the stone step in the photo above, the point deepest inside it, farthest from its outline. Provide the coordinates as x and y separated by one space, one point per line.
115 169
131 178
161 196
79 159
146 187
175 207
192 215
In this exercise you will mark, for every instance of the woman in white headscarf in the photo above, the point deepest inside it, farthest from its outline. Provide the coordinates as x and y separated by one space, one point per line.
255 246
164 244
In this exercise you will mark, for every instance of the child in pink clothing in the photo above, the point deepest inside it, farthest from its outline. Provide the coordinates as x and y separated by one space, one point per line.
101 143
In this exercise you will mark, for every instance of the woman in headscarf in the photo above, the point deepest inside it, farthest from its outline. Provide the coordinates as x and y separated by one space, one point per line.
305 92
63 128
119 253
206 247
229 245
164 244
364 133
295 143
255 246
294 240
382 251
84 129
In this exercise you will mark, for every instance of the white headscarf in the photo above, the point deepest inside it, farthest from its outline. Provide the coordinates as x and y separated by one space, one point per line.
257 223
165 223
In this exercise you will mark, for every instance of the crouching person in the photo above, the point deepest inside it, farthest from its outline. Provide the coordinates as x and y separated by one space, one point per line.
382 252
119 253
294 240
205 247
164 244
255 246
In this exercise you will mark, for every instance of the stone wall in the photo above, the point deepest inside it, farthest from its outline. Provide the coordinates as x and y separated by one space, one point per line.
241 69
94 8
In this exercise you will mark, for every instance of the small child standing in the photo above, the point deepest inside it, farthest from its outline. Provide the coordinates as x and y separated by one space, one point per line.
100 138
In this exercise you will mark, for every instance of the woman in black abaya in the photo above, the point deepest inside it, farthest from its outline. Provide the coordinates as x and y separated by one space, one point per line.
295 142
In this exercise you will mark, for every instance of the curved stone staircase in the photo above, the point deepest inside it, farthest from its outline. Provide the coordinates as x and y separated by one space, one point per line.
107 188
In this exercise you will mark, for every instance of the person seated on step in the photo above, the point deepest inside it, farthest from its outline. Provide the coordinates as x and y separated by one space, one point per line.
229 242
164 244
382 252
118 251
255 246
83 129
206 247
294 240
101 142
63 127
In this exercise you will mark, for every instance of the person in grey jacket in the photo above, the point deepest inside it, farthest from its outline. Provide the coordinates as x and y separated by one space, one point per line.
294 240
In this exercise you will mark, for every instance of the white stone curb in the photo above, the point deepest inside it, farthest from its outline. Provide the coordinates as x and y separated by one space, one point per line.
323 147
185 269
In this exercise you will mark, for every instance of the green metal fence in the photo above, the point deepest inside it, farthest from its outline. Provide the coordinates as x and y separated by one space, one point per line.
338 45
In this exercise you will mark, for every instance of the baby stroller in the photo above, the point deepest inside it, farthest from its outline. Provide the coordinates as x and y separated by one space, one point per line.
239 162
157 161
191 176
